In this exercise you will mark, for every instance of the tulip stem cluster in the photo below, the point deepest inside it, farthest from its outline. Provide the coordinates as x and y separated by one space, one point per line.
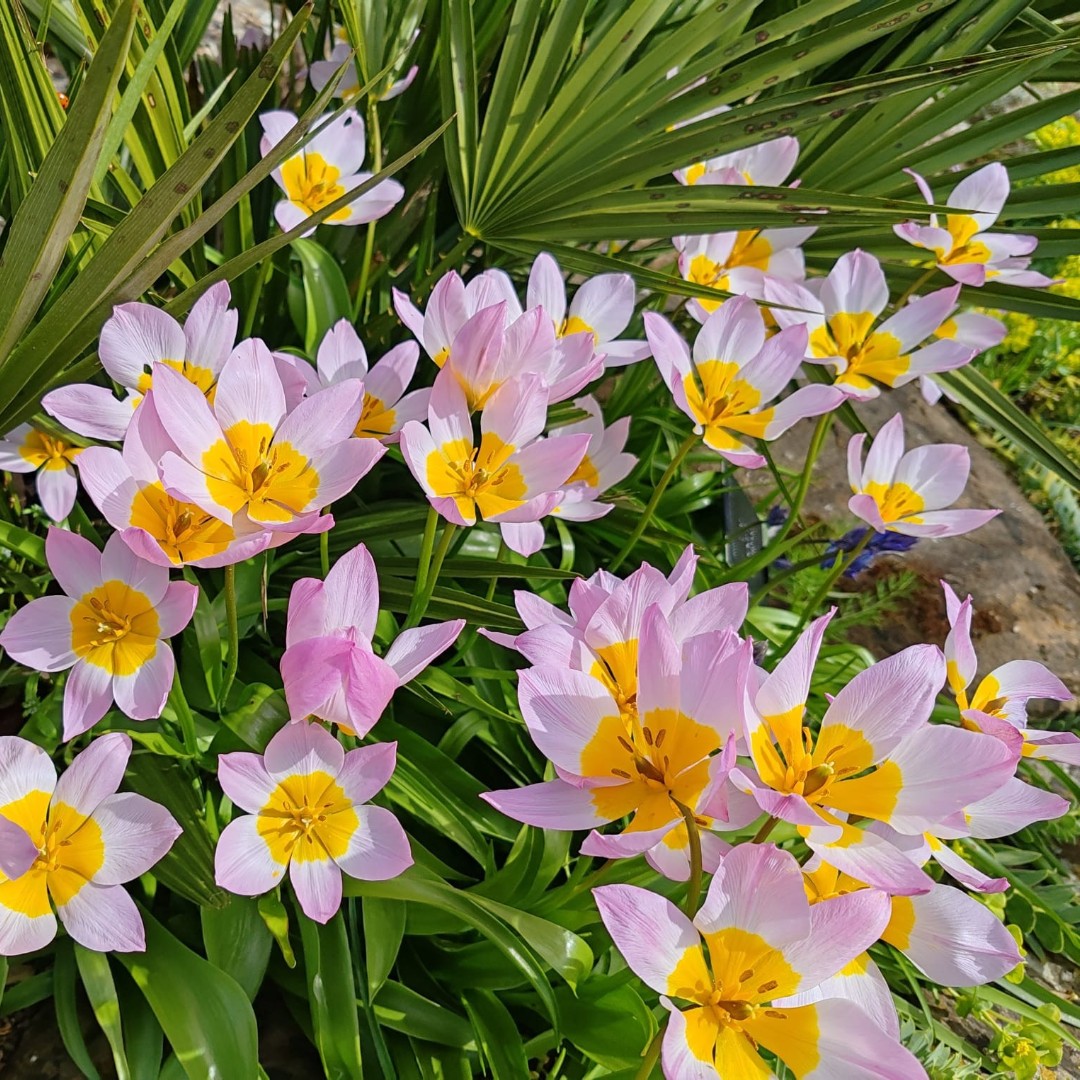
687 445
429 566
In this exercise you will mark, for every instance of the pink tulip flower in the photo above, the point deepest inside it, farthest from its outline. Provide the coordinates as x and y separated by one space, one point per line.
126 487
134 339
727 383
509 478
305 801
246 453
26 450
387 406
602 307
765 944
971 328
329 668
323 170
999 704
768 163
844 333
963 249
906 493
72 843
110 627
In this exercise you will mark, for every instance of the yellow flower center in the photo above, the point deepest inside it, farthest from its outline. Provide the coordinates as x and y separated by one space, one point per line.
574 325
586 473
115 627
183 530
247 468
721 402
308 818
70 853
41 449
376 420
312 183
480 478
869 356
201 377
962 228
750 249
896 501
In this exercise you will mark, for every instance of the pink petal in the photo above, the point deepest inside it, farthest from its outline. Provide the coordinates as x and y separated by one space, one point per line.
89 410
390 377
176 608
307 612
318 887
135 338
103 918
867 857
938 523
982 194
378 849
606 303
21 934
242 860
788 686
341 354
95 773
311 671
142 694
74 562
299 749
546 288
342 466
964 872
320 422
415 649
188 484
1014 806
88 695
648 930
39 635
370 686
120 563
735 333
249 388
668 348
351 593
805 402
855 285
24 767
553 804
17 851
136 833
243 777
108 481
516 412
210 328
184 414
57 489
681 1062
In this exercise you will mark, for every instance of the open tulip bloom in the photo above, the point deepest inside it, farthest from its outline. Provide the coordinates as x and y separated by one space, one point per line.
246 453
126 487
602 307
329 668
387 406
728 384
737 263
963 249
875 755
842 331
768 163
28 449
134 339
510 478
649 756
324 169
998 705
907 493
111 627
348 86
72 843
307 815
733 980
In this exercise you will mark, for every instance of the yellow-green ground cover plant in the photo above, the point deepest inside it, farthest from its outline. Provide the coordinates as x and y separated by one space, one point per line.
395 666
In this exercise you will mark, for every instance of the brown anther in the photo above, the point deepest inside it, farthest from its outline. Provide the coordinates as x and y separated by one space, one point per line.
764 988
817 778
747 974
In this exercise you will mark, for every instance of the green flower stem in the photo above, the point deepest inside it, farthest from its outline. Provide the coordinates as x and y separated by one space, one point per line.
375 134
324 549
818 598
693 836
651 1056
914 287
817 441
423 593
423 563
767 827
650 508
233 655
178 701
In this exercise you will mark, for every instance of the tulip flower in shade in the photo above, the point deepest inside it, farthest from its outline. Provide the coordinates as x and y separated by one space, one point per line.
998 705
601 468
509 477
110 627
306 814
602 307
643 756
963 249
127 489
322 71
971 328
387 406
952 938
74 841
737 262
329 668
765 943
135 338
769 163
874 755
906 493
26 450
841 323
727 383
324 169
246 454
